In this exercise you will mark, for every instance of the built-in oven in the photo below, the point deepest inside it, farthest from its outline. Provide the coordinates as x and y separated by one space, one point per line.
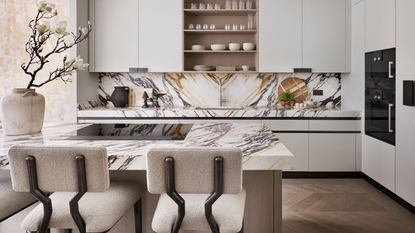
380 95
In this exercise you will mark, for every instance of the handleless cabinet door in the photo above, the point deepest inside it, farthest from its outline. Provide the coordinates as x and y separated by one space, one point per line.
161 35
379 24
405 60
325 35
113 43
332 151
280 35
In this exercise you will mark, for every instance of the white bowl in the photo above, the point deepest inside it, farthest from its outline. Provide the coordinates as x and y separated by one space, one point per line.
218 47
234 46
245 68
198 47
248 46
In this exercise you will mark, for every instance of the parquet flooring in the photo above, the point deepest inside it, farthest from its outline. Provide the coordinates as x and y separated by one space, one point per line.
341 206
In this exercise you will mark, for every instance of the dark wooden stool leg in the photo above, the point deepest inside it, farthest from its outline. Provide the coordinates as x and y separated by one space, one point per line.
138 216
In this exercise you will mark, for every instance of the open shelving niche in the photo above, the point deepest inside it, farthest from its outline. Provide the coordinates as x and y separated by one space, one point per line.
218 36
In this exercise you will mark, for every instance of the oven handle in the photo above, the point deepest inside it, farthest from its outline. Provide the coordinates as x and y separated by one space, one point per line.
389 117
390 69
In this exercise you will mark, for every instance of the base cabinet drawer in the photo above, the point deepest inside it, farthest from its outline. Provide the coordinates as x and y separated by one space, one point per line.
297 143
332 152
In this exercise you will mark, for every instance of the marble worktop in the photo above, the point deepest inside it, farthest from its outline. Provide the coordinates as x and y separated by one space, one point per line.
138 112
261 148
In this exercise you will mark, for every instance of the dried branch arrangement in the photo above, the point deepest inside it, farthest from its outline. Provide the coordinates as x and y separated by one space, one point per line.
43 34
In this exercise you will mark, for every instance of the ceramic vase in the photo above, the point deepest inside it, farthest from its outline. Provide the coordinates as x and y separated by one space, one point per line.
22 112
120 96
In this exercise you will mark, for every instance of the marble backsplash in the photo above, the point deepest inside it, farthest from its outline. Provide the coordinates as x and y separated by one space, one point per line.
207 90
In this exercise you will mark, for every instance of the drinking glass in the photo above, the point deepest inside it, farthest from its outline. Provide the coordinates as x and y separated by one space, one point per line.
228 5
249 4
241 5
250 25
235 5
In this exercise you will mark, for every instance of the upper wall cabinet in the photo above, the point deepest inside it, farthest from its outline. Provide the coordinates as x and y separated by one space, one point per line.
304 34
161 35
280 35
113 44
380 24
324 35
143 34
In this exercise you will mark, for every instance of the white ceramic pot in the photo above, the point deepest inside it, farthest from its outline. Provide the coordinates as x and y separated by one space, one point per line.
22 112
234 46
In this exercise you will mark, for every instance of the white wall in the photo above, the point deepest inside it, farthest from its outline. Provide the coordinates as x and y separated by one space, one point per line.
14 17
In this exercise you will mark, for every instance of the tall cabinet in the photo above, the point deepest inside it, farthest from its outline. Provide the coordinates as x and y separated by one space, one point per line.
380 24
405 60
304 34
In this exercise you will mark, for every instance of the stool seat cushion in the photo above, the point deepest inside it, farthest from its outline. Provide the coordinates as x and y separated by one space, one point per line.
11 201
228 211
100 211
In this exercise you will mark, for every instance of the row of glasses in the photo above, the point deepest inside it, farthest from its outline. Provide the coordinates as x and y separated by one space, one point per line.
229 5
200 27
241 5
203 6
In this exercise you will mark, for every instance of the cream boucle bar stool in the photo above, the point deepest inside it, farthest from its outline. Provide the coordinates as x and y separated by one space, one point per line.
209 181
83 197
11 202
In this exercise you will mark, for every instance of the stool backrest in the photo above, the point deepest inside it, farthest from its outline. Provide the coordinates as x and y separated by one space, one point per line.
57 169
194 169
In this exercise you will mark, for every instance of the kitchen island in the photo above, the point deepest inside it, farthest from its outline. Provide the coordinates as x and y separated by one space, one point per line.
264 157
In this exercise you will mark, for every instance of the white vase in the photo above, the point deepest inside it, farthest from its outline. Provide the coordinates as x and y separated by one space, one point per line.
23 112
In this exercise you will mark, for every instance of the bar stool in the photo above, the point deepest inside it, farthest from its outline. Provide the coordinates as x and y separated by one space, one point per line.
11 202
209 181
83 197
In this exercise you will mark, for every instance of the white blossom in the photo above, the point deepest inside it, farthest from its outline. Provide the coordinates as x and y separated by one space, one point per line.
60 27
79 63
45 6
43 27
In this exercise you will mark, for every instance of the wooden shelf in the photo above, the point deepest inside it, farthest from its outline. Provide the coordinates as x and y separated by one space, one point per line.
219 31
219 12
221 72
220 18
218 51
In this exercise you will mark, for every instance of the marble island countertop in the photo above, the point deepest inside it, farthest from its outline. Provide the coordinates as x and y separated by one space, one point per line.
264 112
261 148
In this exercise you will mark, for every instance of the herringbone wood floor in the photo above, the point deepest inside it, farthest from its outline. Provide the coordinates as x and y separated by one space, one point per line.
341 206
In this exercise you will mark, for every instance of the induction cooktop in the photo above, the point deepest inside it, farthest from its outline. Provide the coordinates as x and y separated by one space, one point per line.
130 132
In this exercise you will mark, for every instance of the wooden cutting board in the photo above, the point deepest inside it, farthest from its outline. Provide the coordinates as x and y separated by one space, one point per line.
295 85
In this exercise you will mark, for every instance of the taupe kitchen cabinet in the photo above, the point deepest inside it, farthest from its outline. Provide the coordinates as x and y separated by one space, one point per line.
380 24
136 35
304 34
113 43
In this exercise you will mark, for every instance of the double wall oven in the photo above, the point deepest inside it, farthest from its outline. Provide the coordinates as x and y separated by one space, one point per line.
380 95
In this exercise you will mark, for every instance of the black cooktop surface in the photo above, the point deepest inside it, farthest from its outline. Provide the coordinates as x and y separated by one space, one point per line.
130 132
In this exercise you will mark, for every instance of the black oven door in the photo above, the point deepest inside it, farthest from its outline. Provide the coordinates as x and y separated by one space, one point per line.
380 95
